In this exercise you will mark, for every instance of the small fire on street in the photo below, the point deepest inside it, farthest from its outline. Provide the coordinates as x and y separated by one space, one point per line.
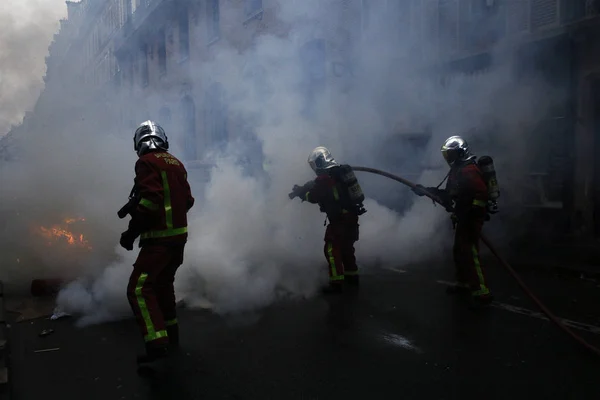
62 233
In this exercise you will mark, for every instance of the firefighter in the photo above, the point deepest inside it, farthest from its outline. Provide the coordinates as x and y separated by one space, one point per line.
159 218
339 195
467 192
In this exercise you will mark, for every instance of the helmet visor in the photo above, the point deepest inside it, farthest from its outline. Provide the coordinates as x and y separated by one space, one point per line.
449 155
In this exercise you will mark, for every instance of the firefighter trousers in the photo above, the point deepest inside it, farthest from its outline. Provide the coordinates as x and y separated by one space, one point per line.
151 293
466 256
339 250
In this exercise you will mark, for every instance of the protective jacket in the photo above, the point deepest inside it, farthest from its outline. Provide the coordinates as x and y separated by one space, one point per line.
467 189
165 198
325 192
343 229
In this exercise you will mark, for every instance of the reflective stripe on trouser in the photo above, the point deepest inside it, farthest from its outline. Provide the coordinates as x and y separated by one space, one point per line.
151 332
341 259
482 290
466 257
150 291
334 259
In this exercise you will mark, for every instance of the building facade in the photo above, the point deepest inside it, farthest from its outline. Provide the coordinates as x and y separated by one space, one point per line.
138 59
558 40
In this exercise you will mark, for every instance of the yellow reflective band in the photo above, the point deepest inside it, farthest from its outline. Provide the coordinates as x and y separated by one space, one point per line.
306 196
334 275
350 273
479 203
171 322
148 204
167 195
163 234
336 195
483 290
155 335
151 335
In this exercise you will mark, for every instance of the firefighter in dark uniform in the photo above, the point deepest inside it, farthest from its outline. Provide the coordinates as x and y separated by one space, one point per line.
159 219
467 191
339 195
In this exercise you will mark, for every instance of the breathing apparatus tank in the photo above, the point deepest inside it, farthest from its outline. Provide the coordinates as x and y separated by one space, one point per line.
351 187
486 165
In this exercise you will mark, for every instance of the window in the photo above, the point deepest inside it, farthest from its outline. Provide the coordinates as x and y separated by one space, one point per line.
188 108
162 53
399 12
483 26
313 64
216 117
253 7
313 61
144 65
184 36
213 20
448 24
365 14
165 119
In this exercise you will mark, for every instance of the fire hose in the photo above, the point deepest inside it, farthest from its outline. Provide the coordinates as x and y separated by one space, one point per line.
503 262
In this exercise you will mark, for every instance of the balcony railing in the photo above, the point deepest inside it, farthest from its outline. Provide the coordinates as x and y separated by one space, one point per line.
136 20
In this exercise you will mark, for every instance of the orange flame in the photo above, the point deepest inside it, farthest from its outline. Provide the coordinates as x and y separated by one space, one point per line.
57 232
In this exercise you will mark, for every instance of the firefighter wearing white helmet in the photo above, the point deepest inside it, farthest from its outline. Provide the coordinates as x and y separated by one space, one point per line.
340 196
158 207
467 193
149 136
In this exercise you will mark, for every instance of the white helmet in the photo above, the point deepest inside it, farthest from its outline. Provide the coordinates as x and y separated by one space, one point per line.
320 160
454 149
149 136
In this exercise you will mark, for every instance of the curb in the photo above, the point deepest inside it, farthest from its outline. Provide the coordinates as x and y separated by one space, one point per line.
4 349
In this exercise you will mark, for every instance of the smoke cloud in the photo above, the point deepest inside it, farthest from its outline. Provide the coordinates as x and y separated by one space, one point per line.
27 30
249 245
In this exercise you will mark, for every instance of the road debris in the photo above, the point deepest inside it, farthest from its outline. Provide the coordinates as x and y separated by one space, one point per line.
46 332
46 350
59 314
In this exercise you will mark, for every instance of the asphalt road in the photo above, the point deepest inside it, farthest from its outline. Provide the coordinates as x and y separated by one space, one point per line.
400 337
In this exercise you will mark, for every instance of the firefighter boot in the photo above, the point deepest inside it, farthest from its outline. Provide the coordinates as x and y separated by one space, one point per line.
458 288
480 302
353 280
173 333
154 362
336 287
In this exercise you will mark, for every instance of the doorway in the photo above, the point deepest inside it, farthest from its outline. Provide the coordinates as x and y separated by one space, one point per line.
596 129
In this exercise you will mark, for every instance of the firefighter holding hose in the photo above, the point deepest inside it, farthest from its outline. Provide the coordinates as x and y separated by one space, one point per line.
340 196
468 194
158 207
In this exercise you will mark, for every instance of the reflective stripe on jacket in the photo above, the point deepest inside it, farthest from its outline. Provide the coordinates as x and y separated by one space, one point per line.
165 198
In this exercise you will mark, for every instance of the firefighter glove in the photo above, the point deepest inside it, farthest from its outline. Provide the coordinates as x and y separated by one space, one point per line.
294 192
419 190
127 239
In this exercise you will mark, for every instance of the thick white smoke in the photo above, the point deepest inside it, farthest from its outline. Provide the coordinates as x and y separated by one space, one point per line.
249 244
27 29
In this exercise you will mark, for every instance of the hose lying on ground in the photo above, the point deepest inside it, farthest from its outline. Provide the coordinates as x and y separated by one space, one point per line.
503 262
